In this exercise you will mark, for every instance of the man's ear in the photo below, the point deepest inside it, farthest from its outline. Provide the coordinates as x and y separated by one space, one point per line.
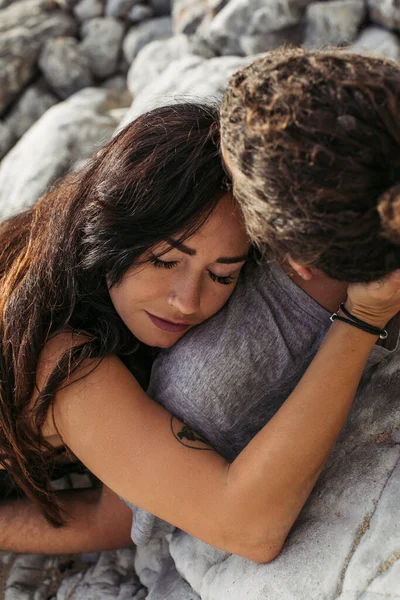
306 273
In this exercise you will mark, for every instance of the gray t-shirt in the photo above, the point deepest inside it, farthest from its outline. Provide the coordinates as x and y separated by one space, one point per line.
228 377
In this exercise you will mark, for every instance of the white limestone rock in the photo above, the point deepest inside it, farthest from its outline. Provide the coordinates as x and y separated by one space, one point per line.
139 13
88 9
7 138
187 15
119 8
65 68
32 104
96 576
110 577
379 42
116 82
68 131
33 15
187 79
256 44
155 57
25 26
333 23
373 565
144 33
245 27
101 45
217 5
385 12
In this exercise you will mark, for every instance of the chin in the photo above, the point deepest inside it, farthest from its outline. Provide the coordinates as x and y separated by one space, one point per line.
164 345
166 341
157 341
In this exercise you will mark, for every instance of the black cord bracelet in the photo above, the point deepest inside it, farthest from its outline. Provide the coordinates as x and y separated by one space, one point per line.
356 322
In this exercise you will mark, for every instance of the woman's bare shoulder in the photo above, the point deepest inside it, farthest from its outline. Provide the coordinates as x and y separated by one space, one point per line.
59 344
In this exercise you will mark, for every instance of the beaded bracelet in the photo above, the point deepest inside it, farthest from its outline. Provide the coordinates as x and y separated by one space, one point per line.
356 322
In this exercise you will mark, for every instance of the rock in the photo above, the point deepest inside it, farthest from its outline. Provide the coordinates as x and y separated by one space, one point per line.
107 575
32 104
140 13
29 108
117 82
33 15
144 33
256 44
24 28
190 78
188 14
119 8
155 57
65 68
101 44
217 5
377 41
385 12
252 26
69 131
7 139
110 576
333 23
88 9
161 8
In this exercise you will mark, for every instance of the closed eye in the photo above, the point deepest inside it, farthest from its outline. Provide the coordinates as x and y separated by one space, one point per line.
163 264
222 280
170 264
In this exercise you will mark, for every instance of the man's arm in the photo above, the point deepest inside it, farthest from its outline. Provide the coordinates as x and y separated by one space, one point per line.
98 520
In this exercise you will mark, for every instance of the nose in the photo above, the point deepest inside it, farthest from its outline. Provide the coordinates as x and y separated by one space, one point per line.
186 296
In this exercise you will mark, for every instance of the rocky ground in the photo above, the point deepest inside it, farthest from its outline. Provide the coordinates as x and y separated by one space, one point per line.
71 72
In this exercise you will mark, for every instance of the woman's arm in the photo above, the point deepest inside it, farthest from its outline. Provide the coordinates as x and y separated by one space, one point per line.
97 520
246 507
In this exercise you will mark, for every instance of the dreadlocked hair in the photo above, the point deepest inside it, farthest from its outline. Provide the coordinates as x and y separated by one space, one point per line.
313 141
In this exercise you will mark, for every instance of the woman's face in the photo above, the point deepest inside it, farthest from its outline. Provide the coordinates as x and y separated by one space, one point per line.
164 298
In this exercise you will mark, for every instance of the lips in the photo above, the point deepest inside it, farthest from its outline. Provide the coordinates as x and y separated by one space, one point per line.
167 325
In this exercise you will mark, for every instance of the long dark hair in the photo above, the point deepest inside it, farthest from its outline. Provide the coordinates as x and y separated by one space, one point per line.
159 177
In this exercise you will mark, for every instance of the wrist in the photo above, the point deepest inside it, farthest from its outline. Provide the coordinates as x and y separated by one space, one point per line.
345 316
356 340
364 314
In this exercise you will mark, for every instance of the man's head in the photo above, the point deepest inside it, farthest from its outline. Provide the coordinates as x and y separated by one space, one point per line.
312 140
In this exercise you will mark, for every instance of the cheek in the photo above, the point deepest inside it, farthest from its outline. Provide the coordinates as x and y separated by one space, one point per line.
218 298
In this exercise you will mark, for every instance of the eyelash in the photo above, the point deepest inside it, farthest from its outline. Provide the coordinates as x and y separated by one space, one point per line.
163 264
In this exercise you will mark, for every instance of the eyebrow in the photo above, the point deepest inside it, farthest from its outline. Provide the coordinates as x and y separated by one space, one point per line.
225 260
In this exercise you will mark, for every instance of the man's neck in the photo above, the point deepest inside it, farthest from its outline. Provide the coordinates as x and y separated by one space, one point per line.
329 293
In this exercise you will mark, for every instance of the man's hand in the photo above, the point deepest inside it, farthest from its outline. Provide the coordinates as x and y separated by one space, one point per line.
98 520
376 302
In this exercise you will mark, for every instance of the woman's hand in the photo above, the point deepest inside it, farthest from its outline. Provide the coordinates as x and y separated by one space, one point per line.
376 302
